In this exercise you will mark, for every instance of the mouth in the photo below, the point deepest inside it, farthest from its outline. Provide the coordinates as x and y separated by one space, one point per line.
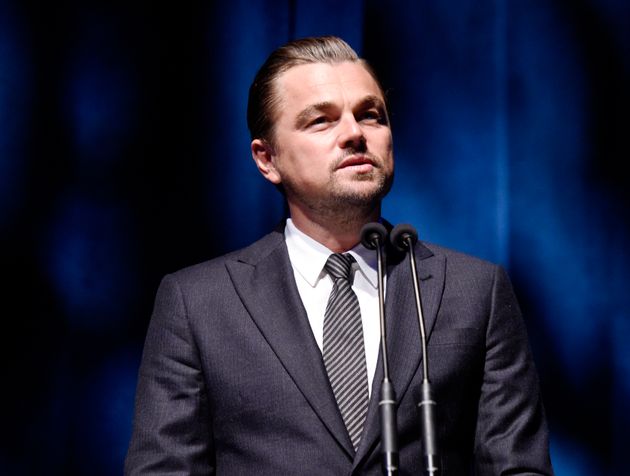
358 163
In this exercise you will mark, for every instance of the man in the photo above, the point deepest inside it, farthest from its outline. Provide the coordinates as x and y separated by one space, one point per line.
240 372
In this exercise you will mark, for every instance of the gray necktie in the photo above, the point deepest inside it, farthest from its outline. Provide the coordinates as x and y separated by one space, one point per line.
344 352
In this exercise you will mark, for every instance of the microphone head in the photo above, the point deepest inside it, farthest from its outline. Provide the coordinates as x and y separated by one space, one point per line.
373 235
403 236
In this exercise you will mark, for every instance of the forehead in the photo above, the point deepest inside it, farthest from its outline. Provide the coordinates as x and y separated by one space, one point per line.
306 84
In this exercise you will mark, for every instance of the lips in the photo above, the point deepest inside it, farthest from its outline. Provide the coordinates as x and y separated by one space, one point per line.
356 161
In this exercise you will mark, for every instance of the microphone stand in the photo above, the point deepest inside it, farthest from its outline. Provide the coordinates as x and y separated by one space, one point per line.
404 237
372 236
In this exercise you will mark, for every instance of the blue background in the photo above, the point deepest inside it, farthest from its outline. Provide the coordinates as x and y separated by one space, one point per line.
124 155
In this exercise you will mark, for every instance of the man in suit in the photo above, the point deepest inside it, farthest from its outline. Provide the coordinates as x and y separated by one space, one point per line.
240 368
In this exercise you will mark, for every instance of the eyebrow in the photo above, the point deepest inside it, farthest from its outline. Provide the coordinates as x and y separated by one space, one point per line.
371 101
309 111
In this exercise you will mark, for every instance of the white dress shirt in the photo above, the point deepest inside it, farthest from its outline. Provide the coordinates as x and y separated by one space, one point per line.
308 258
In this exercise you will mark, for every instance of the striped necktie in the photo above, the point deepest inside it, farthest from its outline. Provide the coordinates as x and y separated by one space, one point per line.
344 352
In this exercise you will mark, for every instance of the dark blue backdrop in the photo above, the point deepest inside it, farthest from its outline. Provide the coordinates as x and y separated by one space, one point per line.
124 155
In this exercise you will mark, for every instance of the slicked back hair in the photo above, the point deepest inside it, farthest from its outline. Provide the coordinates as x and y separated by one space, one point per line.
263 101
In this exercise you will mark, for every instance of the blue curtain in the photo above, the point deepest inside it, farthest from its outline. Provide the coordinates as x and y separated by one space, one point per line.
124 155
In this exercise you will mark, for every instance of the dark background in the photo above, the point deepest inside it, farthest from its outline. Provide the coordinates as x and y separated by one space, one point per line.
124 155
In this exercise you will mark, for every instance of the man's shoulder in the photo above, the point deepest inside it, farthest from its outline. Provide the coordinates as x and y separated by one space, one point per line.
457 260
248 255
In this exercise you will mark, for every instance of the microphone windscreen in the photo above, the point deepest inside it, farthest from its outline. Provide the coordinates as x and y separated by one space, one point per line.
400 234
373 235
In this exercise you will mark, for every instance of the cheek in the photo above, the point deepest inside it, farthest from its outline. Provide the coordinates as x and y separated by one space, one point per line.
303 168
310 159
307 159
383 143
386 152
313 171
389 142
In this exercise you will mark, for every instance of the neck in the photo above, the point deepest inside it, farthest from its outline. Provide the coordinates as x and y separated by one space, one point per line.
338 233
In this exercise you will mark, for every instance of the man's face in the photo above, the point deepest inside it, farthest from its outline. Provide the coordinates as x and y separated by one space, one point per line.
332 139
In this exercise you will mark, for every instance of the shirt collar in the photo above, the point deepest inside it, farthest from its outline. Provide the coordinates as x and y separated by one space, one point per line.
308 256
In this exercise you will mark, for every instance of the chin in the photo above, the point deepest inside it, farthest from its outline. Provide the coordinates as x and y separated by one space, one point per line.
361 197
369 189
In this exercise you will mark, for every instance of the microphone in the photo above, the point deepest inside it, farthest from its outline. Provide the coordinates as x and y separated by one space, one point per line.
404 238
373 237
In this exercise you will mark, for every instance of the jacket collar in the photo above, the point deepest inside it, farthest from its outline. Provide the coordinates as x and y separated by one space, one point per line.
263 278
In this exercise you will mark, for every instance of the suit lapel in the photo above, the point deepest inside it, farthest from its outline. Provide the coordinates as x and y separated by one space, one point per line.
403 333
263 278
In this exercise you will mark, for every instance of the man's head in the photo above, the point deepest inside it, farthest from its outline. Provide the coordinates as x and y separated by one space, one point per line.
263 102
320 131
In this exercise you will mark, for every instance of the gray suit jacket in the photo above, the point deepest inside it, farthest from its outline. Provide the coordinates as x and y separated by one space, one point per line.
232 381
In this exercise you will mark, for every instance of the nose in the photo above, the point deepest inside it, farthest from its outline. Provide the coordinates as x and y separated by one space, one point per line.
351 133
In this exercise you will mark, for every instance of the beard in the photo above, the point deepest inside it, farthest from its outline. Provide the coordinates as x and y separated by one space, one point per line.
342 195
351 196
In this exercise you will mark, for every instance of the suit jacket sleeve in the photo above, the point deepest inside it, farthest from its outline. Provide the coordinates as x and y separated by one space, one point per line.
171 434
511 434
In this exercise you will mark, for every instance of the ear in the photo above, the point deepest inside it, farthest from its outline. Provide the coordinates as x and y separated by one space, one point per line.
263 155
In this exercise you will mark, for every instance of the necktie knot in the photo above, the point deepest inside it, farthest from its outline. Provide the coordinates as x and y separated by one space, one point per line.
339 266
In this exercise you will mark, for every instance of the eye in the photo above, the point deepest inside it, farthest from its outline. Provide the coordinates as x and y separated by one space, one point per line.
318 120
372 116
